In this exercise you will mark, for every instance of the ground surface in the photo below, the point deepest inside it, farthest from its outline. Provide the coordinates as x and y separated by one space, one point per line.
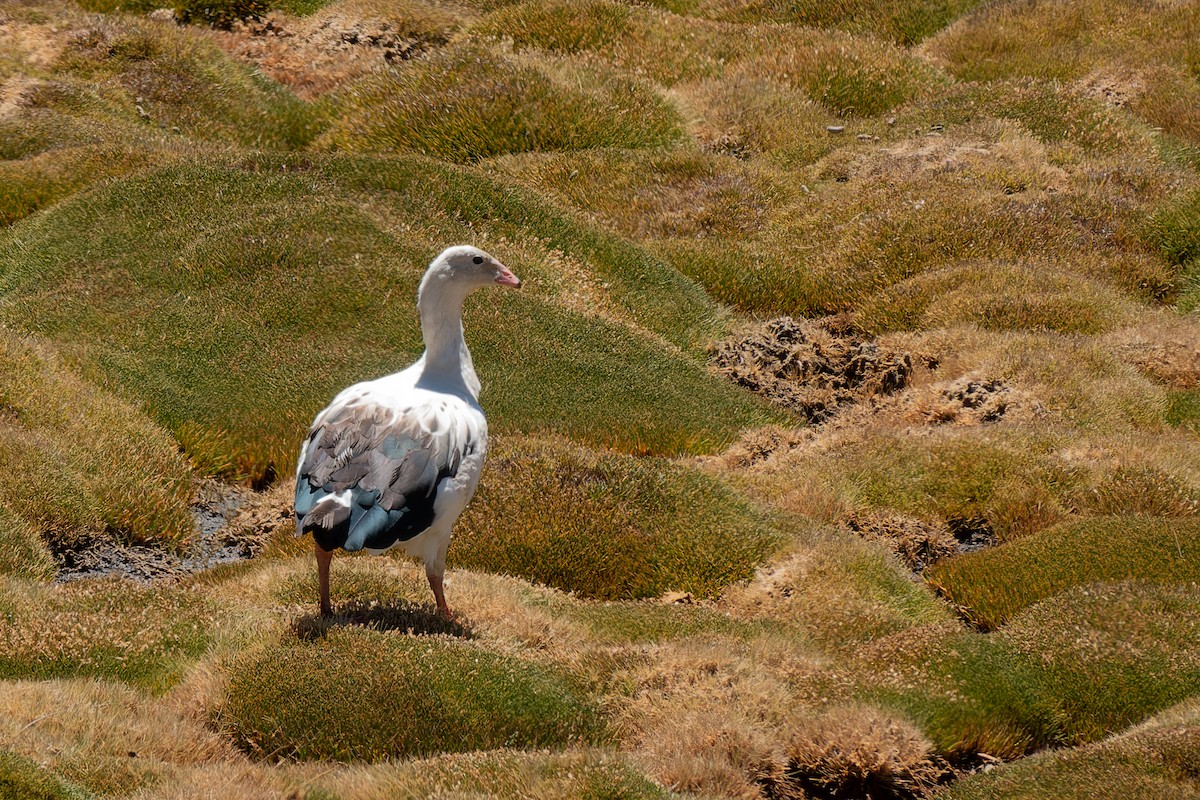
845 431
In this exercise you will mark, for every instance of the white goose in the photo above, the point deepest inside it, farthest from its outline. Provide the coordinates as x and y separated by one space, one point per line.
394 461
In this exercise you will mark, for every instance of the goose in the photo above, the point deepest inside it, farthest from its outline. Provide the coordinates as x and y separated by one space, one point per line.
394 461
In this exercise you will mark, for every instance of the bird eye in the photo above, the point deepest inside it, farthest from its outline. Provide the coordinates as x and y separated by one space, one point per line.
478 259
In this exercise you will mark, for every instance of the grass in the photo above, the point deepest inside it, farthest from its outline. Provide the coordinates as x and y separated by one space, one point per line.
365 696
22 778
1070 670
904 21
467 104
184 85
145 636
251 289
195 257
1153 760
609 526
64 435
584 774
1158 550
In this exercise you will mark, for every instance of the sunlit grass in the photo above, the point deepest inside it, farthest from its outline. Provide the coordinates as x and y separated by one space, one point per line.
1156 550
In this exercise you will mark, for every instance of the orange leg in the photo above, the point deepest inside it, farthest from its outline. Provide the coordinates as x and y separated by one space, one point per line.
323 558
439 594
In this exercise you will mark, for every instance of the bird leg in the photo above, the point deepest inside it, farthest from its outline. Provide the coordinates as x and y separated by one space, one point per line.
323 558
439 594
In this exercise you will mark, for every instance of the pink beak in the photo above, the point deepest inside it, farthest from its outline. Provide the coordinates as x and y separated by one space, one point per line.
506 278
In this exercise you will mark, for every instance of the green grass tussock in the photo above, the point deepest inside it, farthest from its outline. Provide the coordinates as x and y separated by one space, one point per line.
849 76
1112 654
609 526
1067 41
1174 230
465 104
1155 761
1017 297
23 779
242 269
1070 670
88 462
1157 550
220 13
904 22
360 695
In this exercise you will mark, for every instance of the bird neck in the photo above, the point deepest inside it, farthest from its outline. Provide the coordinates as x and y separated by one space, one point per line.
447 360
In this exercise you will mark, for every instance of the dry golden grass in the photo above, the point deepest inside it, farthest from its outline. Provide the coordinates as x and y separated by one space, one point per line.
104 736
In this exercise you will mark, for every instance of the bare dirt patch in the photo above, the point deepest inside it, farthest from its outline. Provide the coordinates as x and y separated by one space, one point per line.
971 401
811 367
317 54
217 541
917 542
36 44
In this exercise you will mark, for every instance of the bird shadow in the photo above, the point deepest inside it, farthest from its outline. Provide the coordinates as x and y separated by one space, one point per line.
392 615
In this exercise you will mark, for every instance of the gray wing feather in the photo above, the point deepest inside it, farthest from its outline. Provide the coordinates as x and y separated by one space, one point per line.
369 475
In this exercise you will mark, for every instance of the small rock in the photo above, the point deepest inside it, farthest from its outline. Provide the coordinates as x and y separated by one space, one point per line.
836 128
864 137
891 120
163 15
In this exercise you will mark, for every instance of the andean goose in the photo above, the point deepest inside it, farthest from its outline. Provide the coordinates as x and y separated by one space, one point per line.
394 461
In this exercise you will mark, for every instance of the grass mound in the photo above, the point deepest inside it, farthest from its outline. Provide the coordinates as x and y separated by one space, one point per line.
1155 761
88 462
608 526
244 268
22 779
995 296
1111 654
1158 550
150 81
583 774
1066 42
1067 671
146 636
360 695
905 22
464 104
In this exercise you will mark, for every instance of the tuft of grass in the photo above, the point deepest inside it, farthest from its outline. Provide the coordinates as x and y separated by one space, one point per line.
849 76
1064 41
146 636
1183 409
1156 550
905 22
1155 760
585 774
22 779
994 296
135 79
857 751
360 695
609 526
1112 654
89 463
1174 229
468 103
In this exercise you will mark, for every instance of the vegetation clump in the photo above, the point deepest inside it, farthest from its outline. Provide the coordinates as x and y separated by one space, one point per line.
365 696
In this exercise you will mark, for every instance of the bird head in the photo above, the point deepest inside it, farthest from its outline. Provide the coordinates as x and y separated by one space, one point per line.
470 267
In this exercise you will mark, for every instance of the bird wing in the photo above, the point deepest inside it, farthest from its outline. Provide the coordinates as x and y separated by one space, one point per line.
370 471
